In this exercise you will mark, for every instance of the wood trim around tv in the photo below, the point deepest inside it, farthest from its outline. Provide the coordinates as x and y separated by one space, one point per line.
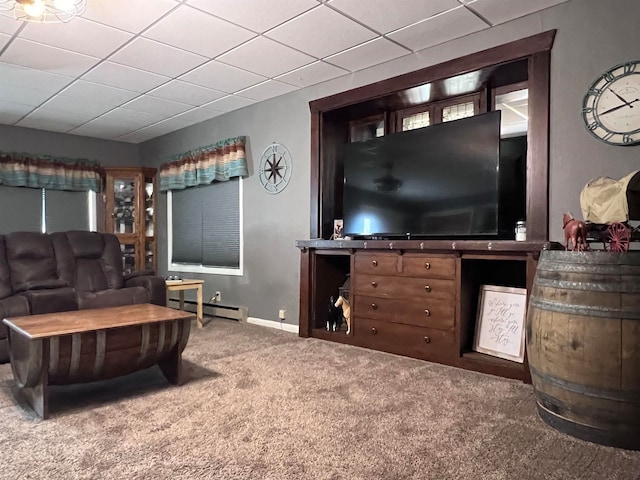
324 131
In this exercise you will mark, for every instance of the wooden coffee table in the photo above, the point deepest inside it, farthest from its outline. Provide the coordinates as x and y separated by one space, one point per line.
88 345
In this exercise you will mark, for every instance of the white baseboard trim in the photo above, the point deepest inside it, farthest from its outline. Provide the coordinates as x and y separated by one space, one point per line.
287 327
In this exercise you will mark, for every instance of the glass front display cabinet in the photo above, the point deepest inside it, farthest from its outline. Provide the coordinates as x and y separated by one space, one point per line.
130 214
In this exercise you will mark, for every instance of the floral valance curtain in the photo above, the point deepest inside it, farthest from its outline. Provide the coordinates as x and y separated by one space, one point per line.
221 161
26 170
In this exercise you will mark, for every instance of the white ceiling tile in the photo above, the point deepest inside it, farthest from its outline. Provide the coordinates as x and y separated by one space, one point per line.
90 91
383 18
312 74
48 123
266 90
156 106
321 32
376 51
257 16
229 103
133 16
30 78
121 76
116 123
104 40
80 111
46 58
198 32
130 118
499 11
51 117
24 95
266 57
222 77
4 39
11 112
183 92
102 129
442 28
8 24
192 117
156 57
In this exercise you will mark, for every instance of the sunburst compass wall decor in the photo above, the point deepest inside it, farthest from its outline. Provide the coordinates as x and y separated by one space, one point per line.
275 168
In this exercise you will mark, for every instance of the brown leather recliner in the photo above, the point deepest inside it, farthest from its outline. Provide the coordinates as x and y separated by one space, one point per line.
44 273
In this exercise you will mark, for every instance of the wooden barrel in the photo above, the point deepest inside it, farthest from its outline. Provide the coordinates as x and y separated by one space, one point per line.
97 355
583 344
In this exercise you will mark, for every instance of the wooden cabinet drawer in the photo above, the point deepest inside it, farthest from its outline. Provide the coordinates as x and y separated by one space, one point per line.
377 263
428 266
416 342
435 313
416 289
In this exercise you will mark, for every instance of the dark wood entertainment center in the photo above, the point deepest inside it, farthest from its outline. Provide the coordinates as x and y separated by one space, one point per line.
419 297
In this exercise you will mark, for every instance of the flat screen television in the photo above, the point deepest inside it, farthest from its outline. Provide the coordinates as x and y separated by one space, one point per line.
441 181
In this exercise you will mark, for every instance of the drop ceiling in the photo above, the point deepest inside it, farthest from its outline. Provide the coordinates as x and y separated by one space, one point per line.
132 70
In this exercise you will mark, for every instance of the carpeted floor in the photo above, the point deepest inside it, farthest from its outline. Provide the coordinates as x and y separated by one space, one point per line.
265 404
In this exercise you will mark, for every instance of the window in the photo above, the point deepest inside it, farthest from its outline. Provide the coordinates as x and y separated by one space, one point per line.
456 112
205 228
438 112
417 120
367 128
39 209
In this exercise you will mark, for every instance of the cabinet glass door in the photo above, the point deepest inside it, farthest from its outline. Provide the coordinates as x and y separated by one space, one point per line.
128 257
124 211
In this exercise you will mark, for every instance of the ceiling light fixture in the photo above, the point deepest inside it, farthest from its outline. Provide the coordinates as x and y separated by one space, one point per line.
44 11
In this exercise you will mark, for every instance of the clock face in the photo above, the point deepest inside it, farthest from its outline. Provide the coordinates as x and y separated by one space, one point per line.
611 107
275 168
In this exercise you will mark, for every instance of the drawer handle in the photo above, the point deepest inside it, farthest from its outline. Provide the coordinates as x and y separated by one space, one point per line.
373 331
427 340
374 263
427 265
374 284
427 312
374 306
427 288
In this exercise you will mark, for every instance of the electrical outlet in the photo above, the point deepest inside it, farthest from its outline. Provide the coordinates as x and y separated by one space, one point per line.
218 296
282 314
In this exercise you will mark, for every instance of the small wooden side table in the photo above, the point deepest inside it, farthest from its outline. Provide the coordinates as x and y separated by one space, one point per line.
187 284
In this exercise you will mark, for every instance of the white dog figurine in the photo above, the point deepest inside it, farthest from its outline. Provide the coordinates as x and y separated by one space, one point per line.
346 311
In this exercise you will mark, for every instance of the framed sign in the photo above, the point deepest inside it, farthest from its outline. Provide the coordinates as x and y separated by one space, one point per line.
500 322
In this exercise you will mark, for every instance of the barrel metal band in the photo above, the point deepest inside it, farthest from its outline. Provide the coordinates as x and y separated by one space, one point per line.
144 344
161 332
54 355
76 346
600 393
101 341
632 286
174 334
585 310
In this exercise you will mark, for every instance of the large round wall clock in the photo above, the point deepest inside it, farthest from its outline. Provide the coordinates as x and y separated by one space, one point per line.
275 168
611 107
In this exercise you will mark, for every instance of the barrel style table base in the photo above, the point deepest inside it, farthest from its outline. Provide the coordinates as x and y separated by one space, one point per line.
107 345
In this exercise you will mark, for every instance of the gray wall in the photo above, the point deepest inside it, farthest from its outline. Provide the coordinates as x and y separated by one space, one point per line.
38 142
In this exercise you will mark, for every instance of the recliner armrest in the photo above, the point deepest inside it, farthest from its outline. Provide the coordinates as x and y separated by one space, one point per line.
138 273
154 284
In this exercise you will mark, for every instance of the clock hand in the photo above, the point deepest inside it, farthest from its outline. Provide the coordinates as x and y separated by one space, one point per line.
620 98
626 104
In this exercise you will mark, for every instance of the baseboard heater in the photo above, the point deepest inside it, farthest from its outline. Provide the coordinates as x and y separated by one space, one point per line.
231 312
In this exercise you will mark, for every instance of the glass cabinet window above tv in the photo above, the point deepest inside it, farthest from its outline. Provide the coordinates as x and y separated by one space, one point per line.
367 128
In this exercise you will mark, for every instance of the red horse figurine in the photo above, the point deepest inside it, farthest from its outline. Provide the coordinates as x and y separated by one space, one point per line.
575 233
